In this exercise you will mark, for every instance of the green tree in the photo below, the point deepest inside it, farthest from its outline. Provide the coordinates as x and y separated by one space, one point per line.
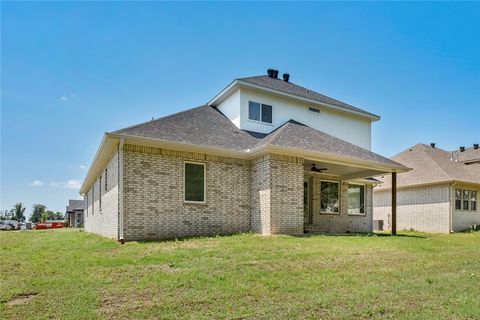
18 212
54 215
38 210
44 216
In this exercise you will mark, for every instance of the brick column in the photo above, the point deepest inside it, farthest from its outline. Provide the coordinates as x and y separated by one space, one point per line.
277 195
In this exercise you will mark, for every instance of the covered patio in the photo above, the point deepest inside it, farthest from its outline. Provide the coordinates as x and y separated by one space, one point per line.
338 197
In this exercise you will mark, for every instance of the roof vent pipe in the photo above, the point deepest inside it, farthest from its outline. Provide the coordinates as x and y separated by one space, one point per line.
286 77
462 149
275 73
270 73
432 145
475 146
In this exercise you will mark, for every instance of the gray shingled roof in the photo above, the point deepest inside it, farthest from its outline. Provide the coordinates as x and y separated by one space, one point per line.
296 135
431 165
469 155
206 126
296 90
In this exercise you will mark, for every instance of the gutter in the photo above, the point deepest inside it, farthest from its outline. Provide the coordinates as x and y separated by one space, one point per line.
120 192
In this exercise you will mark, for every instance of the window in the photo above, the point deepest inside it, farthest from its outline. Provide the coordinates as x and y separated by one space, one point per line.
194 182
356 199
314 110
458 199
259 112
100 194
466 197
106 178
329 200
93 199
473 200
465 200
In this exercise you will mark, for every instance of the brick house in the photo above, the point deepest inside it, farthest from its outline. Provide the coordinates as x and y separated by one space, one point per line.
264 155
74 213
439 194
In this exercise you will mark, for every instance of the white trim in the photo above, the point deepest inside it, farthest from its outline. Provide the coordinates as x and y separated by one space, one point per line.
204 183
339 191
261 113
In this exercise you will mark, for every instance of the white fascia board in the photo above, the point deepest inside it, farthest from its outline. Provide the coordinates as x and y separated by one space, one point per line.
101 158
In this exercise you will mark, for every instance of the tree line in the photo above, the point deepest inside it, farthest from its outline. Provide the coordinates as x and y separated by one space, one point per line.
39 213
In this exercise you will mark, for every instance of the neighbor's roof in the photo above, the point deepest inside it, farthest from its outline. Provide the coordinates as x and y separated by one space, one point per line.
431 165
470 155
208 127
74 205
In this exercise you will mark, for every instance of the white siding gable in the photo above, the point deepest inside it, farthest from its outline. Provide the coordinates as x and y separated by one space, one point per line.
343 125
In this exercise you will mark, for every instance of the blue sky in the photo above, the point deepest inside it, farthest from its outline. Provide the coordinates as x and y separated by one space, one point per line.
71 71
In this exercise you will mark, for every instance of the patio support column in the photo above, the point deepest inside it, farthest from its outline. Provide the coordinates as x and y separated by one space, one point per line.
394 203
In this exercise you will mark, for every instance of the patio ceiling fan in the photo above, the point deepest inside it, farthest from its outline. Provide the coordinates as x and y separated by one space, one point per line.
315 169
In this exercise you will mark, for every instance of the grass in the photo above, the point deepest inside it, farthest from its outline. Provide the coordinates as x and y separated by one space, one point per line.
67 274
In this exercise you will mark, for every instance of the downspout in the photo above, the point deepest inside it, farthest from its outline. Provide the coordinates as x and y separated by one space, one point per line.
120 192
452 204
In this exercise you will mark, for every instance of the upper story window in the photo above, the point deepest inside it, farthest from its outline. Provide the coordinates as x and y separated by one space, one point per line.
314 110
259 112
465 200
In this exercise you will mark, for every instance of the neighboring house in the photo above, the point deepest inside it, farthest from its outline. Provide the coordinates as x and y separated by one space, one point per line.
74 214
440 193
264 155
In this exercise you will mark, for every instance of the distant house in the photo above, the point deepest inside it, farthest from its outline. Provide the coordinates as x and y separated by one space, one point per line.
440 193
74 214
264 155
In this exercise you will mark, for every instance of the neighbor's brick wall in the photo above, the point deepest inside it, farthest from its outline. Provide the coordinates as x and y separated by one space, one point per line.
341 222
462 220
277 195
425 209
153 195
104 222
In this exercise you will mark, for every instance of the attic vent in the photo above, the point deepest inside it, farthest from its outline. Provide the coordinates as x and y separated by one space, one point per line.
475 146
432 145
462 149
286 77
272 73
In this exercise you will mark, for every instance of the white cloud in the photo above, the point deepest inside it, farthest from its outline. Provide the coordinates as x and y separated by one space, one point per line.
63 98
70 184
73 184
83 167
36 183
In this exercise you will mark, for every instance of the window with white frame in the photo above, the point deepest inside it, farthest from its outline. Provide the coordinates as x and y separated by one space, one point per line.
356 199
465 200
194 182
93 199
329 197
259 112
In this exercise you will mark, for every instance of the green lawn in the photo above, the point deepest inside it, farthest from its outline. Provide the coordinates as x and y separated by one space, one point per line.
72 274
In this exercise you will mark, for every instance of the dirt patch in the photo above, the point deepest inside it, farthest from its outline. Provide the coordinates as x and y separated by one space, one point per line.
21 299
